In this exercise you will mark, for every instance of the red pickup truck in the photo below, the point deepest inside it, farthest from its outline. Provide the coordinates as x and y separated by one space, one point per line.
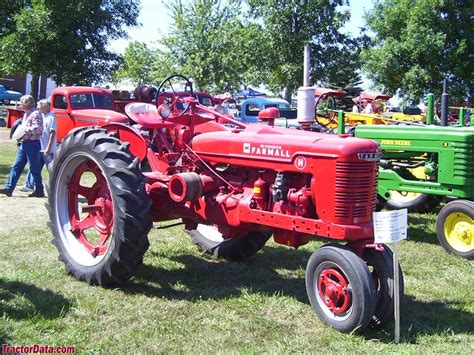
78 106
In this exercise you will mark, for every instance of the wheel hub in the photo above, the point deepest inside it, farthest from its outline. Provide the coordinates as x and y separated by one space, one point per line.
459 231
91 222
334 292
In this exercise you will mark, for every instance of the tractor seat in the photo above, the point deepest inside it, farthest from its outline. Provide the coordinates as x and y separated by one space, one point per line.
146 115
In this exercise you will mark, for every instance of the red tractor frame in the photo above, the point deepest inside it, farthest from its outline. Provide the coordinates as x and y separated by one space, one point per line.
232 186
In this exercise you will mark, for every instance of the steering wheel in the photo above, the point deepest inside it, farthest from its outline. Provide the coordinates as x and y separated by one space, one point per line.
174 97
330 107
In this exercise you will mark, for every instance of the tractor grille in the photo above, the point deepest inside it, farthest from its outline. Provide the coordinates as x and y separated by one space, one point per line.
356 189
464 161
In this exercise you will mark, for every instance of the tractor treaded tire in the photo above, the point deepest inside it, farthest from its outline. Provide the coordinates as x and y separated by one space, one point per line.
131 221
361 282
232 249
421 204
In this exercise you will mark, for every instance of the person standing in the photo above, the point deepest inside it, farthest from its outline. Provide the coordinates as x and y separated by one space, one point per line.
48 141
29 149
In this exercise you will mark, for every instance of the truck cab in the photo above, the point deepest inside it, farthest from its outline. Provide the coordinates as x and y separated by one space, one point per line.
78 106
251 107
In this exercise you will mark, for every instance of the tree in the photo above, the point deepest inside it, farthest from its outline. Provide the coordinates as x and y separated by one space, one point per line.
66 39
342 74
211 45
137 64
417 43
290 25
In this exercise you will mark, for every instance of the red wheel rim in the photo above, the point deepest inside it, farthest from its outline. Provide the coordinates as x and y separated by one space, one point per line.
333 290
98 208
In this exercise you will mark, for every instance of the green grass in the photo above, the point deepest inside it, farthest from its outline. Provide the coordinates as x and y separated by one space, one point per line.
182 301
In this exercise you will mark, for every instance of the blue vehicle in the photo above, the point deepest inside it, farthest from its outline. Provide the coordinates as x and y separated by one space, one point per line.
8 95
251 107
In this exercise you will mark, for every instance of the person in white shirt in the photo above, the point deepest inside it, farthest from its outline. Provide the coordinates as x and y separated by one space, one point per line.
48 140
355 109
368 108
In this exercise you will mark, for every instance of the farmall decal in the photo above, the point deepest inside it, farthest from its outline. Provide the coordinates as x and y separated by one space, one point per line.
266 150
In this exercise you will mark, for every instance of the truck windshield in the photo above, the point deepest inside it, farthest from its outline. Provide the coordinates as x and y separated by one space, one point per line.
91 100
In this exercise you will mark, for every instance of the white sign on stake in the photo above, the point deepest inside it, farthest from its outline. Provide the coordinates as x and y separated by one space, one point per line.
391 227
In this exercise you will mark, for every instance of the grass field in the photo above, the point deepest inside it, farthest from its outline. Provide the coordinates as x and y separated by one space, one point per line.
183 301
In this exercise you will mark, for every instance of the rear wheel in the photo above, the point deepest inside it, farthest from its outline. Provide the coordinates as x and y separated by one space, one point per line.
455 228
98 207
211 241
412 201
340 288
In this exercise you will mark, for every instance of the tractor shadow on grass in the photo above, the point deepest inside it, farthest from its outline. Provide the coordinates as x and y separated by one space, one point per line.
427 318
21 301
418 231
274 270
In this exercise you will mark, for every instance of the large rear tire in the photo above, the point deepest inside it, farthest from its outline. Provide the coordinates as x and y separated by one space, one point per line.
340 288
212 242
98 207
455 228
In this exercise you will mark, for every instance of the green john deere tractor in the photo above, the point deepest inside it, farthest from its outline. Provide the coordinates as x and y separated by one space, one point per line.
420 165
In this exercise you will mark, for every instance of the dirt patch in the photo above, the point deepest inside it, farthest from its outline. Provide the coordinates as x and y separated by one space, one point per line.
4 134
22 212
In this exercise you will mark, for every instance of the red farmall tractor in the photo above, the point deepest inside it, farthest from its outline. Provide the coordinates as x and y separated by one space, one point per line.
232 186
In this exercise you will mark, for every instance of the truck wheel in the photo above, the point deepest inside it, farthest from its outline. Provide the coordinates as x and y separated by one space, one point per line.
340 288
212 242
380 264
98 207
412 201
455 228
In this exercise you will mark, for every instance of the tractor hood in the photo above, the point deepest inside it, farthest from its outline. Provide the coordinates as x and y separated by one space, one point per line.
100 115
281 149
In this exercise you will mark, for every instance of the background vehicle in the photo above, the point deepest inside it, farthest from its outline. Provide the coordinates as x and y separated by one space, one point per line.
251 107
232 188
79 106
6 96
421 164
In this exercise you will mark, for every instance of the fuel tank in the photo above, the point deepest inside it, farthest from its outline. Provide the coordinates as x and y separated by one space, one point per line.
341 171
281 149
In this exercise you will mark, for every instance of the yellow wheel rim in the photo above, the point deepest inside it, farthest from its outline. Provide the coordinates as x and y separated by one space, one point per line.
404 196
459 231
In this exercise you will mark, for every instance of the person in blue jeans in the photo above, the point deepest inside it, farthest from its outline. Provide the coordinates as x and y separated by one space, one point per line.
28 150
48 141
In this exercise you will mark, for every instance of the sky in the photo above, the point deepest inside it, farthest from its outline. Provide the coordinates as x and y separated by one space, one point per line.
155 22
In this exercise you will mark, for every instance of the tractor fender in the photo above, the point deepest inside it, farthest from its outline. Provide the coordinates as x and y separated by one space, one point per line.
138 146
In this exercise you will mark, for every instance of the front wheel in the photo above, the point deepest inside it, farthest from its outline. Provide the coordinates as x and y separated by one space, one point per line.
340 288
380 264
98 207
455 228
211 241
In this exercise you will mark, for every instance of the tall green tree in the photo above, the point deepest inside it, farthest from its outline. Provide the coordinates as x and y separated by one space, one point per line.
210 44
343 74
137 63
417 43
66 39
290 25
